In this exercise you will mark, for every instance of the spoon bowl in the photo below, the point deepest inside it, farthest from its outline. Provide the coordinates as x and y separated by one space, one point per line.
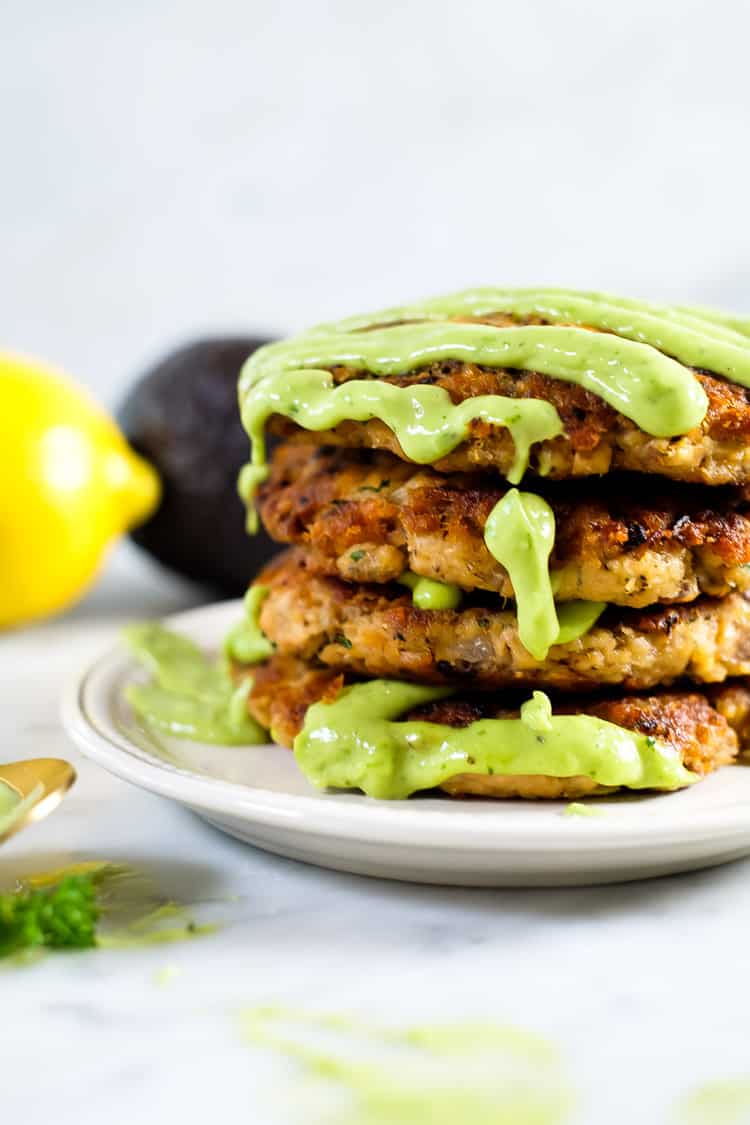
34 788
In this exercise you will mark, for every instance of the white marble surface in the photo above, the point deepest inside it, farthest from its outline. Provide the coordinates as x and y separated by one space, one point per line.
171 169
643 986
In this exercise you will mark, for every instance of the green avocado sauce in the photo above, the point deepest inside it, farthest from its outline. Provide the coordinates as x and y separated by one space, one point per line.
730 322
13 807
542 624
291 378
189 696
695 337
357 742
577 808
10 802
423 418
656 392
520 534
575 619
247 643
409 1076
428 593
9 799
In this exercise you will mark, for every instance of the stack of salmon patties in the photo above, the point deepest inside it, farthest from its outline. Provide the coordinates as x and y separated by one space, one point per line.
634 501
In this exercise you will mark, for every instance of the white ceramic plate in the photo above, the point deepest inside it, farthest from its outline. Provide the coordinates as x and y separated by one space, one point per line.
259 795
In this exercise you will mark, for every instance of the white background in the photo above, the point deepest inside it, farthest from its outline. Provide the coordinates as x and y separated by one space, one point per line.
174 168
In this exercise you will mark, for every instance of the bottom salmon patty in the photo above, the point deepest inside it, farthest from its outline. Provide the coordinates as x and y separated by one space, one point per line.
707 728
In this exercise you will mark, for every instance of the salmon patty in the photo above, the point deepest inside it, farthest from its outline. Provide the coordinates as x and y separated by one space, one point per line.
706 730
596 439
368 517
376 631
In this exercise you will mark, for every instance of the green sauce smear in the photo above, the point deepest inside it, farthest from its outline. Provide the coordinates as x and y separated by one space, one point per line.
717 1103
148 928
13 807
577 808
247 643
357 742
190 696
460 1074
10 801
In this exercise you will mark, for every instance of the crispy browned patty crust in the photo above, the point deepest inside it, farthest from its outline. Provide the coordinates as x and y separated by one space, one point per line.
367 517
596 438
707 730
376 631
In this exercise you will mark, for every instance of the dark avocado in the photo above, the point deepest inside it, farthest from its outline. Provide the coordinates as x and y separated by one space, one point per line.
182 416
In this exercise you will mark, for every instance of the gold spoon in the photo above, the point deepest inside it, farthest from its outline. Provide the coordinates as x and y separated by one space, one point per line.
38 785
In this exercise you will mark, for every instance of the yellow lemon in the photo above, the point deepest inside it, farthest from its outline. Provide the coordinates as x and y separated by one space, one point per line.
70 485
